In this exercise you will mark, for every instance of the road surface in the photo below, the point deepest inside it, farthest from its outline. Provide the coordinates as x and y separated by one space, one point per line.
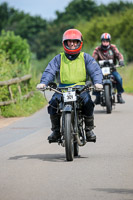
33 169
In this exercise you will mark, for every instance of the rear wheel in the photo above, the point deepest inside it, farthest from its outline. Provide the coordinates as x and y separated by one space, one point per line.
68 133
108 102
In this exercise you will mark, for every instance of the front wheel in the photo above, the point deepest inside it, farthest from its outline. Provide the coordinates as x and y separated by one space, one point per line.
68 134
108 102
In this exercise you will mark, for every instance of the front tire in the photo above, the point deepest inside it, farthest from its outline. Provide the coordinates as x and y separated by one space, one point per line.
68 134
108 102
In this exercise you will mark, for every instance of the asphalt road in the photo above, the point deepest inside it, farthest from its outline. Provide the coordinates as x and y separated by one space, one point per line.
33 169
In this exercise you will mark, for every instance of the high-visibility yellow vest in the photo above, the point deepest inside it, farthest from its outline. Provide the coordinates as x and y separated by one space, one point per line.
73 71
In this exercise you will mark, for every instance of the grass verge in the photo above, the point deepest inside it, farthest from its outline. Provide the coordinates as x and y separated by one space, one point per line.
127 76
24 107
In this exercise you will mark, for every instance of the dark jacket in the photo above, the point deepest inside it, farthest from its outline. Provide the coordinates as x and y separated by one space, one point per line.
111 53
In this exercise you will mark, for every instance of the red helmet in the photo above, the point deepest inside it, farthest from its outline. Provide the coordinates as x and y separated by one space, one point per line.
72 34
106 36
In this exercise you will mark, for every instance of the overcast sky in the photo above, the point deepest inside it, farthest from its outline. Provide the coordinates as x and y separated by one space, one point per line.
45 8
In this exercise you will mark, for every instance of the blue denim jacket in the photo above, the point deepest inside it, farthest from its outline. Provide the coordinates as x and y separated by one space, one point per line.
52 70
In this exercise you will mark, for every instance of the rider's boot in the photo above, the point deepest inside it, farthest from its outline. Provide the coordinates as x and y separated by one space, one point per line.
89 125
55 135
120 99
97 100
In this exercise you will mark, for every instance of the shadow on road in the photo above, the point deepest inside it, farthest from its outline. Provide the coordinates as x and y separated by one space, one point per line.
103 111
43 157
113 190
99 111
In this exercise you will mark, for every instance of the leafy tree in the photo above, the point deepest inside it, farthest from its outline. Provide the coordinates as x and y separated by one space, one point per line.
45 37
117 7
76 10
49 42
16 47
118 25
5 13
26 26
126 33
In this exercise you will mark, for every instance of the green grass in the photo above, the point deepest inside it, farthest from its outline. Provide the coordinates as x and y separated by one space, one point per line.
127 76
24 107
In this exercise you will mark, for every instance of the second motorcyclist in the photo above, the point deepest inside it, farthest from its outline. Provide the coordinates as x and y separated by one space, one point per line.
107 51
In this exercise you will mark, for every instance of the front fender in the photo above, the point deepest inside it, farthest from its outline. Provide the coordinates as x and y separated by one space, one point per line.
107 82
67 108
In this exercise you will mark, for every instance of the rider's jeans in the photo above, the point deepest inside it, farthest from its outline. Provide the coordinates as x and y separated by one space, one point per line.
88 105
119 86
119 82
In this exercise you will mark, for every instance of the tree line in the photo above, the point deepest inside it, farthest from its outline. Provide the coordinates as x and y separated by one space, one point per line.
45 37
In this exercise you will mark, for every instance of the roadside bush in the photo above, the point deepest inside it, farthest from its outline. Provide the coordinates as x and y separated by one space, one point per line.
9 70
15 62
17 48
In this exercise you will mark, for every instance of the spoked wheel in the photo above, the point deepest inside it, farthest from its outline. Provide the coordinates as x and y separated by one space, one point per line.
68 133
108 102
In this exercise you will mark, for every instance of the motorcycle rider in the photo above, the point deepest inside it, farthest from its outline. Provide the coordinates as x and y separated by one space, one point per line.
72 66
108 51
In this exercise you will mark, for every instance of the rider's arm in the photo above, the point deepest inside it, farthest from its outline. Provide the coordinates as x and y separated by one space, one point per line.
93 69
118 55
95 53
52 68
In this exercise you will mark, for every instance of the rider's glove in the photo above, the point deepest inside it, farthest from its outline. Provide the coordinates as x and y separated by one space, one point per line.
121 63
98 86
40 86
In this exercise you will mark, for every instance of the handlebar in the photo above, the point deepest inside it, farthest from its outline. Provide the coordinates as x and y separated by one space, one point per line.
50 89
104 63
80 89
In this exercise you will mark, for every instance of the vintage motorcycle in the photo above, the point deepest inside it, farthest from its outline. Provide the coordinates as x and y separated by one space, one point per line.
107 95
72 120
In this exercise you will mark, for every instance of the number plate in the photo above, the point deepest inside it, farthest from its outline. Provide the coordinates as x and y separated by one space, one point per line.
69 96
106 70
